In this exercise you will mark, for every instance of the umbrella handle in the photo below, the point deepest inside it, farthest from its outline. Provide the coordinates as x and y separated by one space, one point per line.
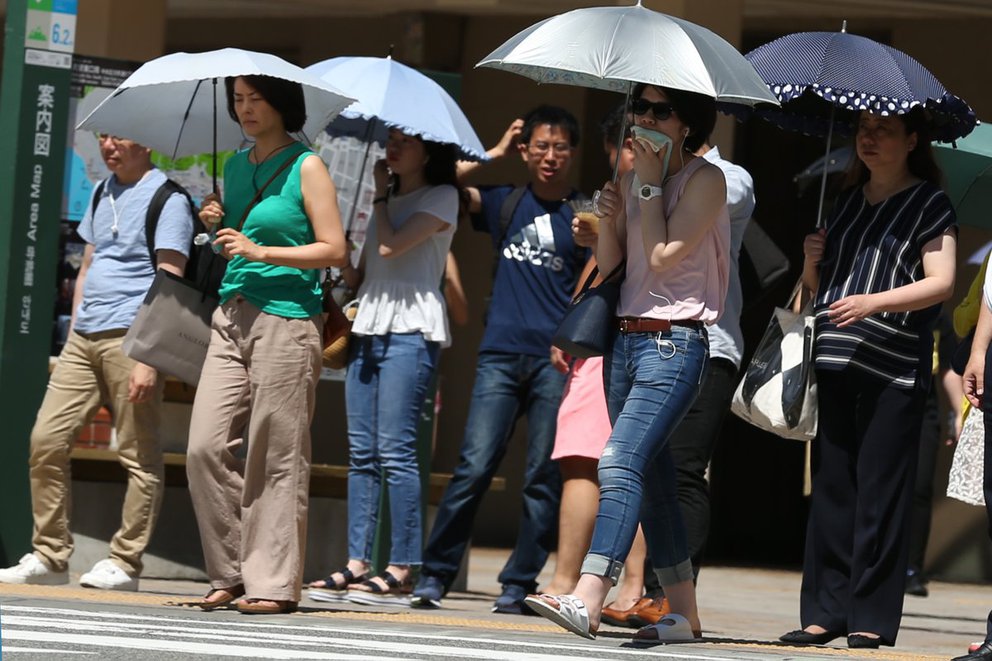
214 163
823 178
369 132
623 130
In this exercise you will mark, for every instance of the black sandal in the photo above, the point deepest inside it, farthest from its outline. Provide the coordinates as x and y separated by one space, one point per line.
396 593
332 590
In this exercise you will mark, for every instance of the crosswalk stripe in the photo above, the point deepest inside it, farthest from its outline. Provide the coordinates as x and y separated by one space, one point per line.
97 627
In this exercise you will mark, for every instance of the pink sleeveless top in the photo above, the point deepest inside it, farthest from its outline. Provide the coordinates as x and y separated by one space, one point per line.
696 287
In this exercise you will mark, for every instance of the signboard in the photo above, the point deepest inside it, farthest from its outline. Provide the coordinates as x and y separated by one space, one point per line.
93 79
34 110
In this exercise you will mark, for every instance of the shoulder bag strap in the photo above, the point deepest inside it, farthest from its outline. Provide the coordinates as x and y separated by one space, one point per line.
258 194
592 276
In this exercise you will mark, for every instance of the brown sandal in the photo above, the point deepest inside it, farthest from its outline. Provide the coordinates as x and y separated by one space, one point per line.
266 607
221 597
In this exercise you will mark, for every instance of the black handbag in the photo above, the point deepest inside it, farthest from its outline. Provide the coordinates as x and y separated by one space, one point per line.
589 324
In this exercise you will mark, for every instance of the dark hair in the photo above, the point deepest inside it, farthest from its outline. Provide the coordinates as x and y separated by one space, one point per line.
441 168
609 126
554 116
283 95
920 161
697 111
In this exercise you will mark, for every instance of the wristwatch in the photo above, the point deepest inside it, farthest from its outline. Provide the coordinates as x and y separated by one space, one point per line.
647 192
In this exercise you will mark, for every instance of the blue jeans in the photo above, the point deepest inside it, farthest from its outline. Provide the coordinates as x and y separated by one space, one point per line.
507 386
651 380
385 387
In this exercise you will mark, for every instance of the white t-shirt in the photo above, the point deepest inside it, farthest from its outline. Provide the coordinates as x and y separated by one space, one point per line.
726 338
403 294
987 287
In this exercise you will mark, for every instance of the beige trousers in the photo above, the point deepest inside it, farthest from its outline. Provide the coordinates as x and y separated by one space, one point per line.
258 387
93 371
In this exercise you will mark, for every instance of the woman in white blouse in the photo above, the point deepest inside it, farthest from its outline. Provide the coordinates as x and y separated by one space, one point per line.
396 339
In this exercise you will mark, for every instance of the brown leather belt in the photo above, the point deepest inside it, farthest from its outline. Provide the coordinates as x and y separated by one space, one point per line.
646 325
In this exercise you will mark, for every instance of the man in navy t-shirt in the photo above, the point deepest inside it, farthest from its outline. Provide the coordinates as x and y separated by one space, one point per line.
538 264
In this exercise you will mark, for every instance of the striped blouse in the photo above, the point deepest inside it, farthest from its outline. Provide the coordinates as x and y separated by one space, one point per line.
875 248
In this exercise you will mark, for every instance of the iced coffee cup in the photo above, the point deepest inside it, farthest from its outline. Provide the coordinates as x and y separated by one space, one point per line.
582 211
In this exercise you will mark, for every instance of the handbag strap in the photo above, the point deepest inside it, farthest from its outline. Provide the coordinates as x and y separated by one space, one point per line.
258 194
592 276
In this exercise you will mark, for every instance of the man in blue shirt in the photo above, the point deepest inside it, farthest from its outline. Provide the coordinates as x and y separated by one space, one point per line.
92 370
538 264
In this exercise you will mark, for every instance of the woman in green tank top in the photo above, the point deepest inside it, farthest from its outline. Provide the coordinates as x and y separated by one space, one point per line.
260 376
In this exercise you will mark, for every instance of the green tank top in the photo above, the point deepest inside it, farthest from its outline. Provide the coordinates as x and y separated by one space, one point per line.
278 219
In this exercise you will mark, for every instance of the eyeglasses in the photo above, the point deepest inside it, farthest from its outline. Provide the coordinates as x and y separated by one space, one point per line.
661 111
542 148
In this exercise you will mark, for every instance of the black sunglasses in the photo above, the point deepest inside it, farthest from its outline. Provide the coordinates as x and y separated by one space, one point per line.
661 111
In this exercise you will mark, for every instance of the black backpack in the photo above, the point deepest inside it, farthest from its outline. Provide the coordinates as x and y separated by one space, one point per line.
203 266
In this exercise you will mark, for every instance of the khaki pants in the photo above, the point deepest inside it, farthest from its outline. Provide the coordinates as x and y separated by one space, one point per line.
92 371
258 387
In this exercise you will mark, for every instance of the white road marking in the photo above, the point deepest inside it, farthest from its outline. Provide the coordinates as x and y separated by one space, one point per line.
171 628
41 650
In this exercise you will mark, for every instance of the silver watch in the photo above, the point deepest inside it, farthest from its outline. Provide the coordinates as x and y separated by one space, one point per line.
647 192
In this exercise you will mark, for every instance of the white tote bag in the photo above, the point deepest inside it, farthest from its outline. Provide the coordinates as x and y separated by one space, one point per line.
778 391
964 482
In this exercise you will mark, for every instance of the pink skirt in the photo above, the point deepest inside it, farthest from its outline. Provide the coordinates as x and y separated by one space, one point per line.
583 421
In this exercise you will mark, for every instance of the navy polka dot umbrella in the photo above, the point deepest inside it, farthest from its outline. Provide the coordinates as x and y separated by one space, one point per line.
823 79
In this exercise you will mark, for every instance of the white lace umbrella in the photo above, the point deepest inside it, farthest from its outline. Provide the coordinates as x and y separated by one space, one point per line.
171 103
609 47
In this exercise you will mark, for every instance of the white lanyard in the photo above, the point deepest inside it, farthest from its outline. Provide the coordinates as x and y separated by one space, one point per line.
113 208
113 205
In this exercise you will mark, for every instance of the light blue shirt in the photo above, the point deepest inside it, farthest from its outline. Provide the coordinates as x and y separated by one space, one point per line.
726 338
121 270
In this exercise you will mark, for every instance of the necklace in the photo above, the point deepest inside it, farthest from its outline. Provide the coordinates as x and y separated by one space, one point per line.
258 163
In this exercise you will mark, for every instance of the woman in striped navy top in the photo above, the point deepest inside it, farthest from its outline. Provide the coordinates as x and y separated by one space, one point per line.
879 270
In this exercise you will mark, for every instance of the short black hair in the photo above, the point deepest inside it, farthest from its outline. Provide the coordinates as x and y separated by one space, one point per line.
554 116
283 95
609 126
697 111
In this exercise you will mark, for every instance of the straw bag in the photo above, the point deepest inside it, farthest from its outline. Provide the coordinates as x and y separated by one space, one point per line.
337 331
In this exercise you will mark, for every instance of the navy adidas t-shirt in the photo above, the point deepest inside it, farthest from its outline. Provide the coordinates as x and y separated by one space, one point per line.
538 266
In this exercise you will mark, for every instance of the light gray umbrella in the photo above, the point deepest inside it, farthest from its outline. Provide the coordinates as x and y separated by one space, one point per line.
609 47
170 103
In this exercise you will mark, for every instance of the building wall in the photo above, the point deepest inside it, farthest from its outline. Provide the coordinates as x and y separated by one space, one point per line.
756 478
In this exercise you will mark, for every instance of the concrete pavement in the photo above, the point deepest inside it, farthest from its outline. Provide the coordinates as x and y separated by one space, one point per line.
743 612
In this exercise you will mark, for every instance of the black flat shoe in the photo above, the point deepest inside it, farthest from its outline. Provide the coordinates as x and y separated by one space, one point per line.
800 637
983 653
857 641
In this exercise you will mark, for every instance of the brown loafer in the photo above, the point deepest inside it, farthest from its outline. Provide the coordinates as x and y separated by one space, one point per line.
621 618
266 607
650 613
221 597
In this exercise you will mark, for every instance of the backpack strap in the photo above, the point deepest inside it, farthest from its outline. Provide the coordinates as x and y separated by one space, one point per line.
155 207
97 194
506 211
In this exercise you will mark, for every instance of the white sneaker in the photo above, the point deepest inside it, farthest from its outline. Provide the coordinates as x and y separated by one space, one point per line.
32 571
106 575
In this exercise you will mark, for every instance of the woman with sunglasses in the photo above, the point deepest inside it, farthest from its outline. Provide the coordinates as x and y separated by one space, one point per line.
668 222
